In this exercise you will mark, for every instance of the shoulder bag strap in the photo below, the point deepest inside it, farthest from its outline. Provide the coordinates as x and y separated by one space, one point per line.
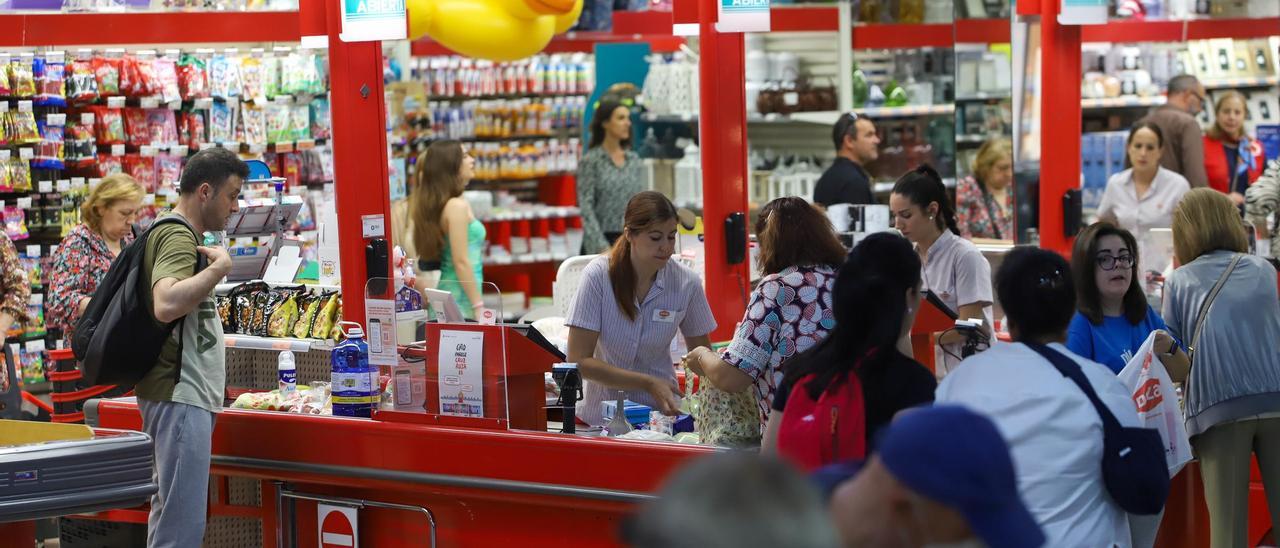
1208 303
1071 370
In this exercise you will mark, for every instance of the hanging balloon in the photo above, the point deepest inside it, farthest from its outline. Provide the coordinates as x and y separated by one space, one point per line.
498 30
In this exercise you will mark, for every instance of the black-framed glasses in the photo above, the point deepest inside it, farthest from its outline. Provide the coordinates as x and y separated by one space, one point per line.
1111 262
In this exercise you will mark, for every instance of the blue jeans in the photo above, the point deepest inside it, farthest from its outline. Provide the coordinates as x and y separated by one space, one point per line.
183 437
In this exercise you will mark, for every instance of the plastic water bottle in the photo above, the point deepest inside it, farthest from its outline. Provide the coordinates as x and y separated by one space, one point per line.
288 373
354 382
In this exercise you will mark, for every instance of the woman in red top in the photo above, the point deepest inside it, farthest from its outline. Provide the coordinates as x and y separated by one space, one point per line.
1232 159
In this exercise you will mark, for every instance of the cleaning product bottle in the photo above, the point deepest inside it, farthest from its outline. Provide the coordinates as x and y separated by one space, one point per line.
354 381
288 372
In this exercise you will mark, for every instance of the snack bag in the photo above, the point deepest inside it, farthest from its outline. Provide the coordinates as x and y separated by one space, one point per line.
162 126
108 164
24 129
19 174
166 72
15 223
299 122
251 80
50 76
49 152
254 122
22 78
222 123
109 123
193 129
107 73
82 87
193 78
143 169
310 306
136 126
278 124
168 169
325 318
271 77
6 88
321 123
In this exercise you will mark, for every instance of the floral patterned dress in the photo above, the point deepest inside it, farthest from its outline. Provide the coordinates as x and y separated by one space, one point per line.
978 214
79 265
788 313
14 293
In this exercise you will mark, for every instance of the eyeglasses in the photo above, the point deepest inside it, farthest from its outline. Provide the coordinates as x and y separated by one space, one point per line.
1110 262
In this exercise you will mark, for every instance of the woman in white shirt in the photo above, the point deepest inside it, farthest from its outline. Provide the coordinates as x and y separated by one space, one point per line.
628 307
1055 434
953 268
1143 197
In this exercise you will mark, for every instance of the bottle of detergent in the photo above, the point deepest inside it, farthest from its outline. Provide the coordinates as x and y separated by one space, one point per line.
354 381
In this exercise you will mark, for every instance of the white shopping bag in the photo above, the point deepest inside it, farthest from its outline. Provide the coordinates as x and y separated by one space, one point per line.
1157 403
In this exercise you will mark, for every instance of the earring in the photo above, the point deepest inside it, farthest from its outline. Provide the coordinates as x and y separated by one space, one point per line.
931 217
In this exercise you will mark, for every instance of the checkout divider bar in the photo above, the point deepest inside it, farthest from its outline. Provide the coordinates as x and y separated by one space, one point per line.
283 492
359 472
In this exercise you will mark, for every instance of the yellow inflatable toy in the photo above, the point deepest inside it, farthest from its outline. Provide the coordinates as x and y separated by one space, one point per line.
499 30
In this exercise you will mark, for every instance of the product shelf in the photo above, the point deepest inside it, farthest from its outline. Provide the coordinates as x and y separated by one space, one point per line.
82 29
1122 102
1132 31
569 42
1246 82
827 117
252 342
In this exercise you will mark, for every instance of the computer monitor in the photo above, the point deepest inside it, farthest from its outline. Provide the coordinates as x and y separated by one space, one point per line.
444 305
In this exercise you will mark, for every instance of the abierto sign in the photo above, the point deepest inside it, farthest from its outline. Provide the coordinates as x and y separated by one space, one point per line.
743 16
373 20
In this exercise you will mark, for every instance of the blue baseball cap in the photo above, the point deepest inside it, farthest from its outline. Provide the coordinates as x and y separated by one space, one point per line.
958 458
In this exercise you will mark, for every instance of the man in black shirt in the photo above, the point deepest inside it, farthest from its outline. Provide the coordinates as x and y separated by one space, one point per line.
846 182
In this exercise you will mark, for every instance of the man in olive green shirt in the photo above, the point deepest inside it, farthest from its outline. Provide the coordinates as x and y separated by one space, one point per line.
180 396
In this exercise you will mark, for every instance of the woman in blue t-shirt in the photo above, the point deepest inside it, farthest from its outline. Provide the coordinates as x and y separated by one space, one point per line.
1113 318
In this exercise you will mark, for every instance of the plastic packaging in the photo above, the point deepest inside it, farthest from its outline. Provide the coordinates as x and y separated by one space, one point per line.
136 127
107 73
49 152
222 123
166 71
22 79
162 126
82 87
193 78
287 372
50 76
110 125
251 78
254 122
15 223
354 381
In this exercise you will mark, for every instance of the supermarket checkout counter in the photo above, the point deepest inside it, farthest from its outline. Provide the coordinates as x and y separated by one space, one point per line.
414 475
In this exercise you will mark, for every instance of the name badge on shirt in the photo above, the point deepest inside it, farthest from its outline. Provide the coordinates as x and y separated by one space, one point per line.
664 316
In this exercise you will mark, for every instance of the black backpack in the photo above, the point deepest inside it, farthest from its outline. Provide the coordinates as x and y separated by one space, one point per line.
118 339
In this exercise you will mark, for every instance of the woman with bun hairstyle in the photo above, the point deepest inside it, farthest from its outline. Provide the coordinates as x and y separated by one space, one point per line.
953 268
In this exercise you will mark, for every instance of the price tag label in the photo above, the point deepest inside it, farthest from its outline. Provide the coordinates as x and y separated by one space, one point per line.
24 203
180 150
150 102
117 150
373 226
26 153
5 155
77 181
147 150
203 104
46 187
4 105
33 251
115 102
86 118
149 199
56 119
93 183
64 185
24 106
257 148
175 105
207 146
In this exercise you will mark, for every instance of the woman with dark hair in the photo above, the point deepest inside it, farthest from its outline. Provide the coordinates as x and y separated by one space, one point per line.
1143 196
444 228
790 309
1113 317
875 297
954 269
609 174
1232 159
1055 434
627 310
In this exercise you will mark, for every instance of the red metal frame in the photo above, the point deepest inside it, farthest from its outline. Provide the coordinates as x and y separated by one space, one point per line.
78 29
1129 31
723 136
359 154
1060 133
573 42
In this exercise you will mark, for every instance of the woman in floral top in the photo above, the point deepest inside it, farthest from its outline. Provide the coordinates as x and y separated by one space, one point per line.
984 202
789 311
85 255
14 292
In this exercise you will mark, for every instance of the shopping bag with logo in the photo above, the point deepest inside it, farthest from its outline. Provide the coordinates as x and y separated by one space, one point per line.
1157 403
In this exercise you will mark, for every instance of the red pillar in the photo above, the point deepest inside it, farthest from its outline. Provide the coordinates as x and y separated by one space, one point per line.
1060 126
723 132
359 153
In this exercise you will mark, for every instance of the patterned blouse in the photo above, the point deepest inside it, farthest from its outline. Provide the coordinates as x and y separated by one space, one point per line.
789 313
978 214
15 290
603 192
79 265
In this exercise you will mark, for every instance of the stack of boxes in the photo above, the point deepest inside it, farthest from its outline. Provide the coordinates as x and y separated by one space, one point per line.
1102 155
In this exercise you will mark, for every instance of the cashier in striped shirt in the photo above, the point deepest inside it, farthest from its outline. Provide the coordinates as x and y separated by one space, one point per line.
630 304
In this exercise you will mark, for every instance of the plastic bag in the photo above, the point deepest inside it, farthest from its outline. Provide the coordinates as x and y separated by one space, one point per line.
49 152
251 80
1157 403
6 88
168 169
278 124
109 164
299 123
136 127
162 126
21 78
19 174
82 87
166 71
321 123
193 78
50 79
193 130
15 223
222 123
254 121
107 73
109 123
142 169
24 130
224 77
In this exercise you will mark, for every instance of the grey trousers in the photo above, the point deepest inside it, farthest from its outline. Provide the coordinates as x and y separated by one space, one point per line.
1223 452
183 437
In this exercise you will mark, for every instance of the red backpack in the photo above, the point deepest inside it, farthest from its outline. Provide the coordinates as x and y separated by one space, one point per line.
832 429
